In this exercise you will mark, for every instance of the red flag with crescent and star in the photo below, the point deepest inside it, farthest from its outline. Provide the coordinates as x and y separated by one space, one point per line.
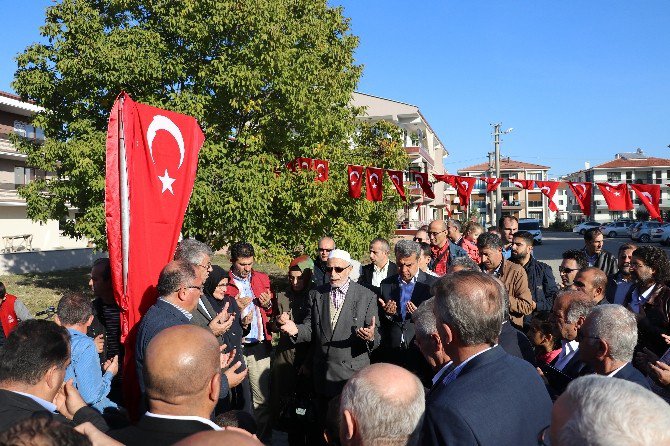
373 183
355 175
492 183
650 196
449 179
548 189
582 193
151 163
464 187
321 168
523 184
396 178
422 180
616 196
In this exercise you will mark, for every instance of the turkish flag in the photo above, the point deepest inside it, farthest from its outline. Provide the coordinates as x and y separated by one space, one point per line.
523 184
650 196
149 179
355 180
449 179
616 196
373 183
492 183
464 187
396 179
582 193
422 180
321 168
548 189
304 163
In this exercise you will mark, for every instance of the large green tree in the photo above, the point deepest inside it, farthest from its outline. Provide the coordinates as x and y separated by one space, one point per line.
268 80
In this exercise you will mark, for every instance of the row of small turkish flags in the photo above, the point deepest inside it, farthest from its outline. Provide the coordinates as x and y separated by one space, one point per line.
616 196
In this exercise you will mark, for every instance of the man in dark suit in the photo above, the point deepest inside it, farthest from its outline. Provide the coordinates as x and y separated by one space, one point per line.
401 294
341 325
607 342
379 268
486 397
183 376
32 368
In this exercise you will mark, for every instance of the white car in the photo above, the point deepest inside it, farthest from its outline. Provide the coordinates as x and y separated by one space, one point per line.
531 225
585 226
661 235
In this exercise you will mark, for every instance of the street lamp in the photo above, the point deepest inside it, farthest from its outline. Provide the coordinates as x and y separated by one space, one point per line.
496 145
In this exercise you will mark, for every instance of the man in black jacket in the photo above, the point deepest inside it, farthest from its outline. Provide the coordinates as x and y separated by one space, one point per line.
380 266
595 254
541 280
32 369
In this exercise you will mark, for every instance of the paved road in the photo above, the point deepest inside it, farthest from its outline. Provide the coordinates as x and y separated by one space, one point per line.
554 243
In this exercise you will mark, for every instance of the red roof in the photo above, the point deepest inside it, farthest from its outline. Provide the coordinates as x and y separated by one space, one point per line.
9 95
624 162
505 164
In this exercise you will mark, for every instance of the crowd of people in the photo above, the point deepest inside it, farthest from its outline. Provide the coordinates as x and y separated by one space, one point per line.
459 337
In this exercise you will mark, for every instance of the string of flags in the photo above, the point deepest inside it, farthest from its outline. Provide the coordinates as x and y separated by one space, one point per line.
616 196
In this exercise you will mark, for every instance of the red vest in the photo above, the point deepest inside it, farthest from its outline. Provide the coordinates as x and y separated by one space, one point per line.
8 318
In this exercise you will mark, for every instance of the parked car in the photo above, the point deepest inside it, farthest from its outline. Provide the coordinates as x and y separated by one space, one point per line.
661 235
617 229
642 231
531 225
585 226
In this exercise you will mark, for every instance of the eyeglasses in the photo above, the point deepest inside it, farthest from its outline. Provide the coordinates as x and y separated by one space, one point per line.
337 269
326 249
434 234
222 285
418 239
194 287
206 267
565 270
543 437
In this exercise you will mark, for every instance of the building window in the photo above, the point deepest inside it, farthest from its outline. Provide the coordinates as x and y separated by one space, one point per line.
629 177
23 176
615 215
658 177
560 202
613 177
537 215
535 203
537 176
28 131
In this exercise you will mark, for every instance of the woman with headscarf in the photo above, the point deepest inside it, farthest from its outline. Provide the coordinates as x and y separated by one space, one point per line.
288 373
214 289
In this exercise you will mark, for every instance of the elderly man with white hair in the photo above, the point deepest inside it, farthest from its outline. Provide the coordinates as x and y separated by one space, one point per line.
341 323
601 411
386 386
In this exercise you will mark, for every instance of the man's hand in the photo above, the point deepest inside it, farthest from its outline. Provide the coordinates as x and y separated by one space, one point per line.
243 302
541 373
643 359
222 322
112 365
246 320
289 328
234 378
99 343
68 400
389 307
96 436
265 299
227 358
411 308
367 334
660 372
666 338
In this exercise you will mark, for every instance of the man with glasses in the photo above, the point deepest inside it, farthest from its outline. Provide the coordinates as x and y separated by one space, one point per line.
421 235
573 261
341 323
444 251
326 246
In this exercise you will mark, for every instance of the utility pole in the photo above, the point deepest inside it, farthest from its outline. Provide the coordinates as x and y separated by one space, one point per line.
496 146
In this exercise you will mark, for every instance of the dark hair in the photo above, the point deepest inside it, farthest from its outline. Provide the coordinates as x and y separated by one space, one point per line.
175 275
541 320
213 279
425 249
502 220
74 308
578 256
489 240
32 349
3 290
627 246
657 259
107 271
241 250
41 429
592 233
525 235
237 418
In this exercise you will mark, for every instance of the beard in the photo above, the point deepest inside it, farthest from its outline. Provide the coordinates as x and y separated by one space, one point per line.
517 256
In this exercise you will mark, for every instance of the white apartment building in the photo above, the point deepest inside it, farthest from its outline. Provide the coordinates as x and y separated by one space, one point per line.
628 167
425 151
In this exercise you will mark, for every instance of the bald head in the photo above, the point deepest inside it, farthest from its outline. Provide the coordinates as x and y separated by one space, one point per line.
377 386
237 437
592 281
181 363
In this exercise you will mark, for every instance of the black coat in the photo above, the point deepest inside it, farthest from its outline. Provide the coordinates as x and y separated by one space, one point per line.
541 283
158 431
515 343
320 277
607 262
366 276
15 408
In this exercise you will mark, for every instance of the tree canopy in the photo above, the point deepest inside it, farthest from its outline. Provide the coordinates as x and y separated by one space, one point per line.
268 81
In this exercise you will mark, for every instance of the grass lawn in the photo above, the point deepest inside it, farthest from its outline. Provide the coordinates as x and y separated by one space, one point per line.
40 290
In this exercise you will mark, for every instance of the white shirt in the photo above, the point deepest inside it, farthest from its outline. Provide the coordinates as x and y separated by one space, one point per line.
441 372
637 300
379 274
568 350
209 423
48 405
611 374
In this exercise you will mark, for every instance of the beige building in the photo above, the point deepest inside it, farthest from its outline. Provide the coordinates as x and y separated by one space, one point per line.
425 151
17 231
628 167
521 203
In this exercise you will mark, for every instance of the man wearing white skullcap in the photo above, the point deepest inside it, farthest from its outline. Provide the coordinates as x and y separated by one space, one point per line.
341 324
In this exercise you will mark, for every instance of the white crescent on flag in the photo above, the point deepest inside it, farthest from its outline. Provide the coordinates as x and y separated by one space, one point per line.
583 186
465 184
353 172
395 179
648 195
545 189
375 179
320 168
160 122
304 164
517 184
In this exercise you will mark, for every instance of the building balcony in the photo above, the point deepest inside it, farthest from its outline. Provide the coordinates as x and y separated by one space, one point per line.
513 205
10 197
419 154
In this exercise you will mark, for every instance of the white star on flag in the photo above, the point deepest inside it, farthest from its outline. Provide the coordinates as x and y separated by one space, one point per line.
167 182
616 194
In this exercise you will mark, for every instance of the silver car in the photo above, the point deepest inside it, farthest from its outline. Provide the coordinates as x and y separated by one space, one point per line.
616 229
643 231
